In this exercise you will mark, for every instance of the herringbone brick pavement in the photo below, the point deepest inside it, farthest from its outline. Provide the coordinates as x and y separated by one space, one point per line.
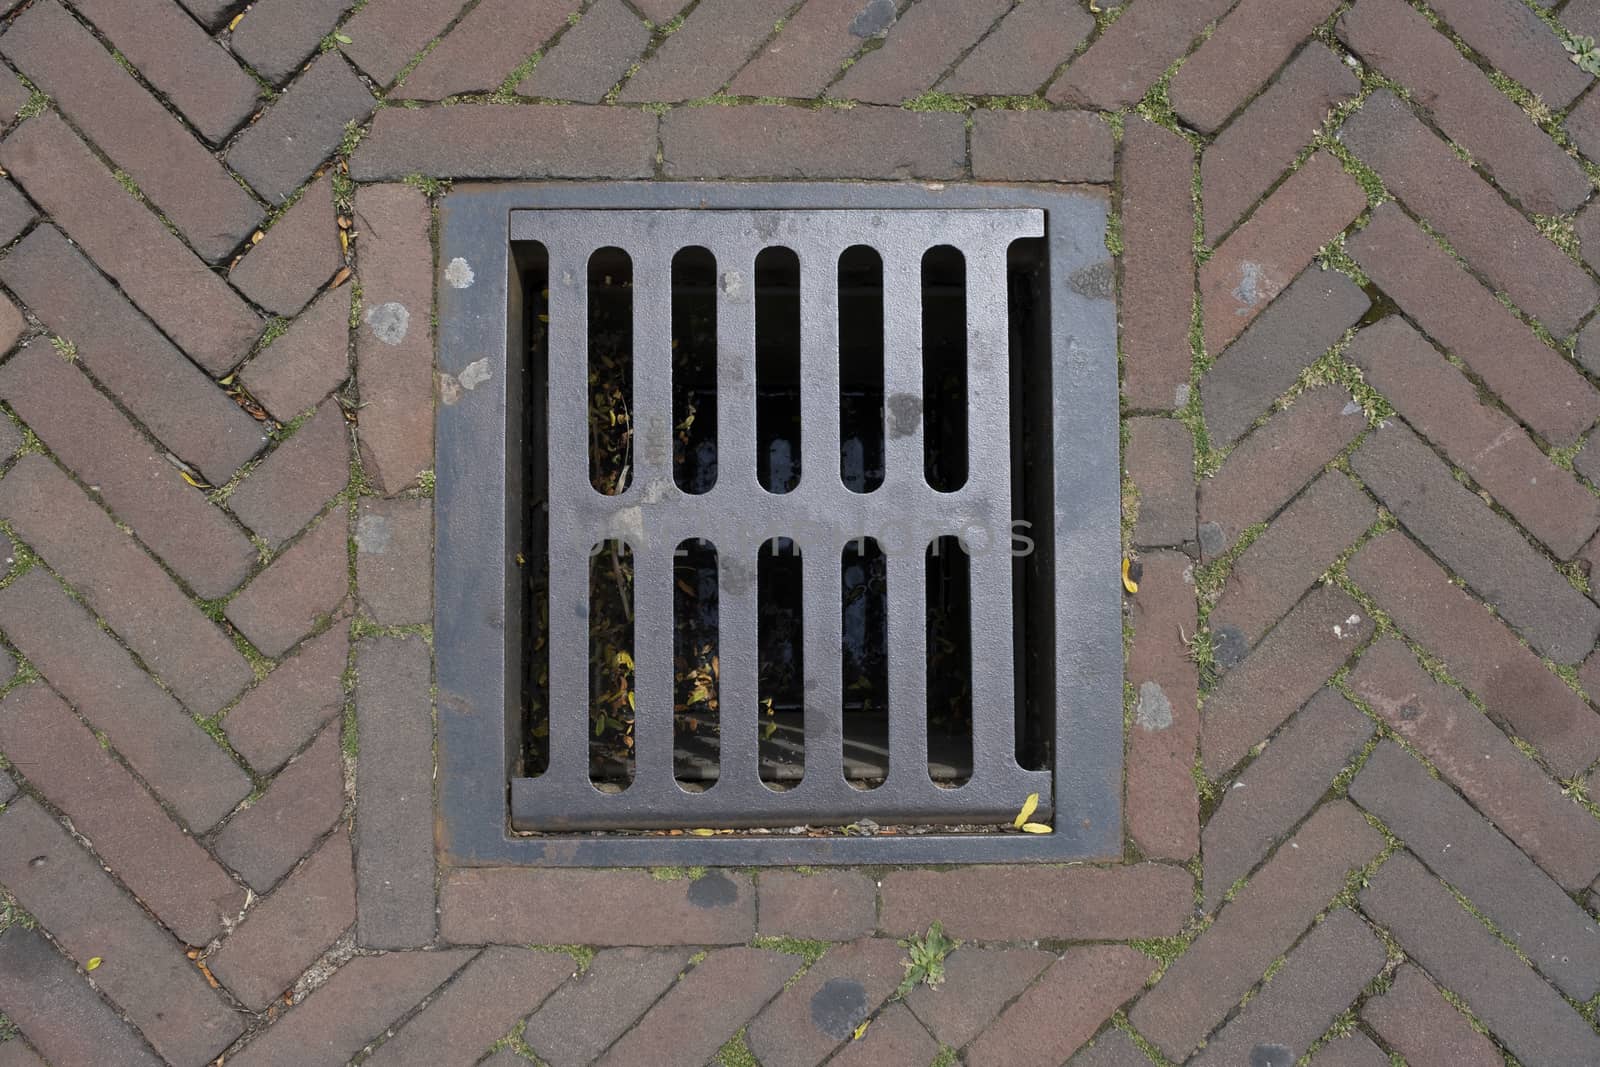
1356 249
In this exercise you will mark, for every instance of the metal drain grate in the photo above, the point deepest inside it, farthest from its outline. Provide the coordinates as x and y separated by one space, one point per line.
808 509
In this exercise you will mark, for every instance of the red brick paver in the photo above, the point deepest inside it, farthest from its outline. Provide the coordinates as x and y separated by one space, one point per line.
1254 928
1261 257
591 57
106 686
168 282
1063 1008
179 176
296 257
1256 148
485 46
1158 237
1163 814
291 928
143 968
925 40
585 1016
1414 1018
1320 975
1536 1025
64 1017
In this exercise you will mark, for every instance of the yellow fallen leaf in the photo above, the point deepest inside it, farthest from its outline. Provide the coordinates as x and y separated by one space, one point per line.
192 480
1128 583
861 1030
1029 806
236 20
93 963
625 661
703 832
344 241
1037 828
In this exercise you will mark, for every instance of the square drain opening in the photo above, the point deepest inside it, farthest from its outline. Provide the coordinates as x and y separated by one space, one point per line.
774 509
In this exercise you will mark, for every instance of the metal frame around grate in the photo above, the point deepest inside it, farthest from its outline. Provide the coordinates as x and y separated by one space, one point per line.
478 532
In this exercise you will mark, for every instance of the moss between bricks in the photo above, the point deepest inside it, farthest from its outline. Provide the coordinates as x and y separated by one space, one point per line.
514 1042
675 874
582 955
25 674
37 104
507 91
933 100
809 950
736 1053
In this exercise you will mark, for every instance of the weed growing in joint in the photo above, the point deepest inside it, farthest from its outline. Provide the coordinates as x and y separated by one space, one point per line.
926 965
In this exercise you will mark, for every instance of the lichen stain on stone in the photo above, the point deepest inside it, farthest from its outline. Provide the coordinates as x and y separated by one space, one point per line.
905 414
373 534
452 387
1095 281
474 374
458 273
389 322
1252 288
874 19
1153 712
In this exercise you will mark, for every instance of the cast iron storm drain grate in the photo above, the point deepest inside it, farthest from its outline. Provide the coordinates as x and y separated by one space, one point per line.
772 509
